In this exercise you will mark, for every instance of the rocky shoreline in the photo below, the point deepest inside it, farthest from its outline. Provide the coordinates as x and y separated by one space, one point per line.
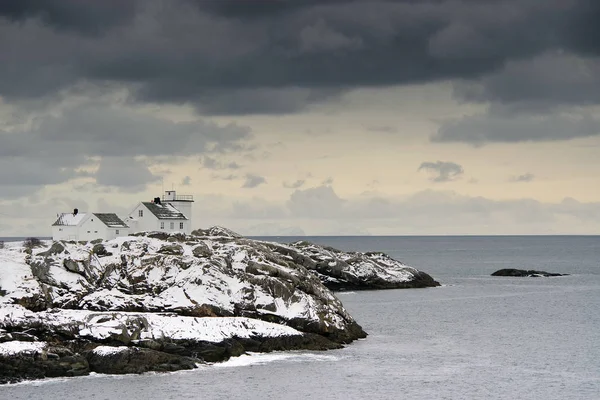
159 302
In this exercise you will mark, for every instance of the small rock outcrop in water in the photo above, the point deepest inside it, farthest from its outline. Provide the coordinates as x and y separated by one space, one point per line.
159 302
525 273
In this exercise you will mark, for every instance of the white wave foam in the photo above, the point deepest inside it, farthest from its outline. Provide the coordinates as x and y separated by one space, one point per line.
265 358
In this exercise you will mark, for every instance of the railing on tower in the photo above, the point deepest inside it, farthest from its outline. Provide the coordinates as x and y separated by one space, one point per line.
179 197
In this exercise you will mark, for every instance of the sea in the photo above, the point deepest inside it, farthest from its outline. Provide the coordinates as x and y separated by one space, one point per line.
475 337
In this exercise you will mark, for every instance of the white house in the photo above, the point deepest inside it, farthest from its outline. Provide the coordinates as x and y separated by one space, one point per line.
171 214
88 226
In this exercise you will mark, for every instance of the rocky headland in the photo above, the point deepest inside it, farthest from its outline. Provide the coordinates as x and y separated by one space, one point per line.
525 273
159 302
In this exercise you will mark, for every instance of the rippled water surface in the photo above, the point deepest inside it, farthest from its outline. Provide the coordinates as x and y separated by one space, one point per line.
477 337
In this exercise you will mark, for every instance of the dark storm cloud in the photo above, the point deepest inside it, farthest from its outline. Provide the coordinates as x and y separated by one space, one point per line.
539 84
444 171
83 16
277 56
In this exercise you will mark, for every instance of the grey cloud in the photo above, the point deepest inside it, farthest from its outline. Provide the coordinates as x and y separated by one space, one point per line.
234 101
186 181
481 129
55 147
383 129
538 84
230 177
528 177
319 201
276 57
105 131
20 171
294 185
319 37
92 187
88 17
253 181
257 209
213 163
445 171
128 174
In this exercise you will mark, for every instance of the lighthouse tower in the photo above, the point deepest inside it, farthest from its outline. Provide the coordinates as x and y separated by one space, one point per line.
181 202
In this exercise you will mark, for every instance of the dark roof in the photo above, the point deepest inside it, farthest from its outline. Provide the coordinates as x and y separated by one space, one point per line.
111 220
164 211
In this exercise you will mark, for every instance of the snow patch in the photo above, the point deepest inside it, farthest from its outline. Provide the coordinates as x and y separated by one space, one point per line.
18 347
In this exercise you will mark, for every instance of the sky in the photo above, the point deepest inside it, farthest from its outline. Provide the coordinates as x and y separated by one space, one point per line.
292 117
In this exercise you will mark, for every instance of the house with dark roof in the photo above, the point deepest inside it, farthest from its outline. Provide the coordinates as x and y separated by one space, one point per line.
88 226
172 213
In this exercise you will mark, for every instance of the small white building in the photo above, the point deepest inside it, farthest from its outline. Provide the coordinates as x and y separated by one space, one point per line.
88 226
171 214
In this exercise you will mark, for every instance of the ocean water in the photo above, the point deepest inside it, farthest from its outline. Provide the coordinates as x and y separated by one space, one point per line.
477 337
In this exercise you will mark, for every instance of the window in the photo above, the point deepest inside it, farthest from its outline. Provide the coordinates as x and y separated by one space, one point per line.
172 225
95 231
181 225
162 225
60 229
141 213
89 232
117 231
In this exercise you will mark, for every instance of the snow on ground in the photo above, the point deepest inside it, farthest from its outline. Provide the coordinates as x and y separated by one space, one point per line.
18 347
16 279
102 325
145 273
108 350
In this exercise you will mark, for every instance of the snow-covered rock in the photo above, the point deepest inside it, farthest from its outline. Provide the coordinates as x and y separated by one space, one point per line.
205 296
340 270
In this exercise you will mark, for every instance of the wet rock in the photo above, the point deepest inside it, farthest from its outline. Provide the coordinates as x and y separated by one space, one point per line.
53 361
135 360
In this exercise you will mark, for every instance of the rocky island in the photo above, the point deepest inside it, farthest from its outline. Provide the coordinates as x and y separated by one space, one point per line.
525 273
159 302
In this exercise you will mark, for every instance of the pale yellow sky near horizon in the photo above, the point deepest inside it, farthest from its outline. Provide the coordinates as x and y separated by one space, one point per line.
368 144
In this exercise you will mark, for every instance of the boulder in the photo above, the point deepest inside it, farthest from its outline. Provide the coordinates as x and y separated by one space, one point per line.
201 250
171 249
38 360
135 360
